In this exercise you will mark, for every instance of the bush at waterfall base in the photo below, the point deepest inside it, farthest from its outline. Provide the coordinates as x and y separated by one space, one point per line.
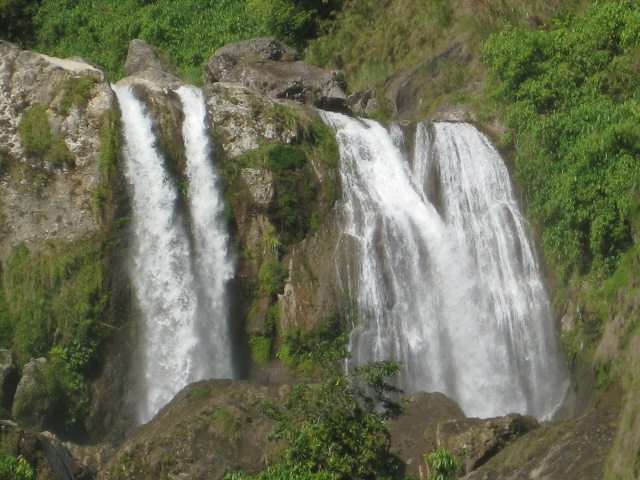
15 468
443 465
336 429
570 95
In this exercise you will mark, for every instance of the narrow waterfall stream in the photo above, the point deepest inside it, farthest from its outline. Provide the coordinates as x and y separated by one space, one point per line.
434 254
179 281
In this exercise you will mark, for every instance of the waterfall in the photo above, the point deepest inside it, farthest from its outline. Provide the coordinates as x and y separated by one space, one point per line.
179 263
434 254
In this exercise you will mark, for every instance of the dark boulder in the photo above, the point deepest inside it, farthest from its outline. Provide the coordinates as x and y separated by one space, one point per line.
209 428
571 450
264 66
33 407
246 52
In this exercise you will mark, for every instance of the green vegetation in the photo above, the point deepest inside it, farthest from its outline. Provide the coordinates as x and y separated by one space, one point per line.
570 98
443 465
305 352
109 148
45 150
335 430
188 32
52 305
15 468
437 40
76 92
260 346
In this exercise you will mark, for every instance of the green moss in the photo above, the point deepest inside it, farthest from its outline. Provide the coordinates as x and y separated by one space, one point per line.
271 277
76 92
109 150
45 151
228 423
261 346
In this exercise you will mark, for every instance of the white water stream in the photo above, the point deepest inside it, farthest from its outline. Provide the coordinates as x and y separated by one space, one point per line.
180 264
434 254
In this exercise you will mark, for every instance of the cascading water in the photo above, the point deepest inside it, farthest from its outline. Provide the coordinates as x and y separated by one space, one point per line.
434 254
179 281
214 266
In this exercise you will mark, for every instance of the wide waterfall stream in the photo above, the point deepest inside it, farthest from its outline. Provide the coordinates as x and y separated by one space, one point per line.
180 263
434 254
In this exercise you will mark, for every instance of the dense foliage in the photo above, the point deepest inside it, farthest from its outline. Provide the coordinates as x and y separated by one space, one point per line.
52 304
571 99
12 468
188 31
336 430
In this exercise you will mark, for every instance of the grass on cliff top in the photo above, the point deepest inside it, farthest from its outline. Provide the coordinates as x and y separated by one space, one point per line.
372 41
188 31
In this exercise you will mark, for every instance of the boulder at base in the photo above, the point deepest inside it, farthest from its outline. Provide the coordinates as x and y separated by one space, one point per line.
209 428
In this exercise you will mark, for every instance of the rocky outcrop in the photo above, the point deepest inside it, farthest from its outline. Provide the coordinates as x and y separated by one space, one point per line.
571 450
415 432
51 458
42 198
262 65
476 440
209 428
31 405
227 57
145 65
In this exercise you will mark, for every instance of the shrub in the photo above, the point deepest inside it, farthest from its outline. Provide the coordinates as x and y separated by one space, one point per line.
336 429
443 464
15 468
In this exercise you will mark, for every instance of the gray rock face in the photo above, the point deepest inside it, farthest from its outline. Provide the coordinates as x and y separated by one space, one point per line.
144 62
225 59
48 202
31 408
261 65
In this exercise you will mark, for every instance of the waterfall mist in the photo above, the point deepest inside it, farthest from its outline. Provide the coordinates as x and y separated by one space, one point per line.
180 264
434 254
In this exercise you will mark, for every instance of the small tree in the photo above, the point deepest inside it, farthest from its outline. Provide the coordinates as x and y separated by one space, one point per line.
336 430
12 468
